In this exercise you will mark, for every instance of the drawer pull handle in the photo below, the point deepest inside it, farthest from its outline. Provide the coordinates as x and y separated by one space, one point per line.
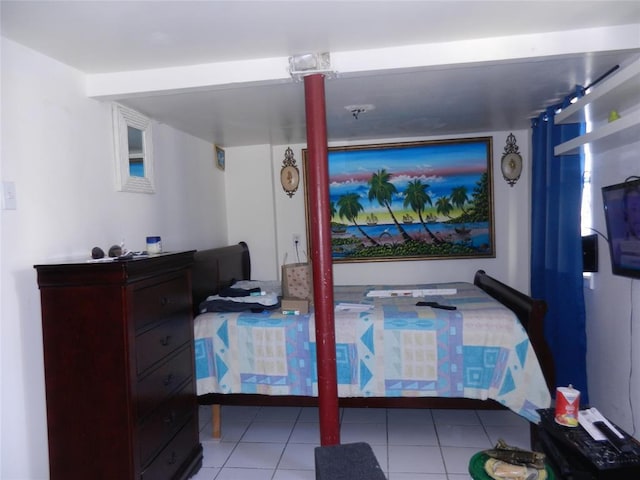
164 341
168 380
164 301
170 419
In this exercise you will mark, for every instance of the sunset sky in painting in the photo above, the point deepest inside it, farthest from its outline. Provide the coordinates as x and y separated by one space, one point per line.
440 165
432 159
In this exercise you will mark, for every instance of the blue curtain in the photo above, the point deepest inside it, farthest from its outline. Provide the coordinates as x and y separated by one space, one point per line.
556 248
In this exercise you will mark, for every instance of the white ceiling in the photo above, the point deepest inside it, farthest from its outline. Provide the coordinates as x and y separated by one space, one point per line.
428 67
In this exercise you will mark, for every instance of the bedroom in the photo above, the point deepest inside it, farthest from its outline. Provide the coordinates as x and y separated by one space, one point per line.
67 204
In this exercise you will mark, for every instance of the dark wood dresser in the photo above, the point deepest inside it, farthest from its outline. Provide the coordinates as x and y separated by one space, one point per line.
119 369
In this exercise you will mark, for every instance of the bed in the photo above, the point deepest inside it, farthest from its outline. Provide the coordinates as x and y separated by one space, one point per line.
487 353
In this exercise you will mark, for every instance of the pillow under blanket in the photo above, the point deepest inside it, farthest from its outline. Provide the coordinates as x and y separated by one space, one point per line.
274 286
254 303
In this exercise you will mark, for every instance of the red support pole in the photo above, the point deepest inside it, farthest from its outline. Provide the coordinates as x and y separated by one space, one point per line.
321 260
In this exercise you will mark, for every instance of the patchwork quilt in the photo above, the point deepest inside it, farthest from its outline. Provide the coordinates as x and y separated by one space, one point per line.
386 346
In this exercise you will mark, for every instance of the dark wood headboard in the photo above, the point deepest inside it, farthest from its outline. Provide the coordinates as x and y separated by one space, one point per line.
218 268
530 312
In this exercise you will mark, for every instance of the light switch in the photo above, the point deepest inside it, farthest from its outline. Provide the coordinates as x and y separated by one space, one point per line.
9 196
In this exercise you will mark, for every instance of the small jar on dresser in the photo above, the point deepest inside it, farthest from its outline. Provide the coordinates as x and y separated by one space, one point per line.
119 368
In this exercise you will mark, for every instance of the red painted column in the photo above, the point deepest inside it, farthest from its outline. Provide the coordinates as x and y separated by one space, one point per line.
321 260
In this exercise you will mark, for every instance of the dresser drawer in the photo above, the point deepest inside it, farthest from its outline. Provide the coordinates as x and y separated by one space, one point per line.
174 455
158 384
155 344
158 301
163 423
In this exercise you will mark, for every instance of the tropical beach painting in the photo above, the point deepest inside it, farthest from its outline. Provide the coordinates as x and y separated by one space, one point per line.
410 201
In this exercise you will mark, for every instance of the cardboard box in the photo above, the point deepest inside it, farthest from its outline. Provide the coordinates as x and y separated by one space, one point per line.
294 306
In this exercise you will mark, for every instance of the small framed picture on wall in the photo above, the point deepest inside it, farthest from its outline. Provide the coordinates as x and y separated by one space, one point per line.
219 157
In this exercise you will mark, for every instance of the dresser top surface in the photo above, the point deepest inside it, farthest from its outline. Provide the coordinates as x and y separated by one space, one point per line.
82 271
118 261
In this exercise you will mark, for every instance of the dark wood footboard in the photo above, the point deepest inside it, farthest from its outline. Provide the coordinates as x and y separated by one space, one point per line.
530 312
370 402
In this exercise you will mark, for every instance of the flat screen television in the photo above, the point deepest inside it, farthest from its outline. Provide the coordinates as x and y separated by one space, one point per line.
622 214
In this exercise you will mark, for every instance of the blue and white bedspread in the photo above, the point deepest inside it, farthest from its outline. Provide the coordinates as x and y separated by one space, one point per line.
395 349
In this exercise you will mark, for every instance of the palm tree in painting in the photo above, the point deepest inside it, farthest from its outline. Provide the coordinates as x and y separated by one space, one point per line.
332 209
383 190
416 197
349 207
459 197
481 210
443 206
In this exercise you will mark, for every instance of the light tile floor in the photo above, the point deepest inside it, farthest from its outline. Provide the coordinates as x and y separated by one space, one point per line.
277 443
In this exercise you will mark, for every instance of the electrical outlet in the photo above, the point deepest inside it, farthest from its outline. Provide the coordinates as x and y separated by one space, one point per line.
9 196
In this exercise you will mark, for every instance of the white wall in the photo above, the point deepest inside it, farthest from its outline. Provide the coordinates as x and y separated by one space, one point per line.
613 306
512 223
58 149
250 204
